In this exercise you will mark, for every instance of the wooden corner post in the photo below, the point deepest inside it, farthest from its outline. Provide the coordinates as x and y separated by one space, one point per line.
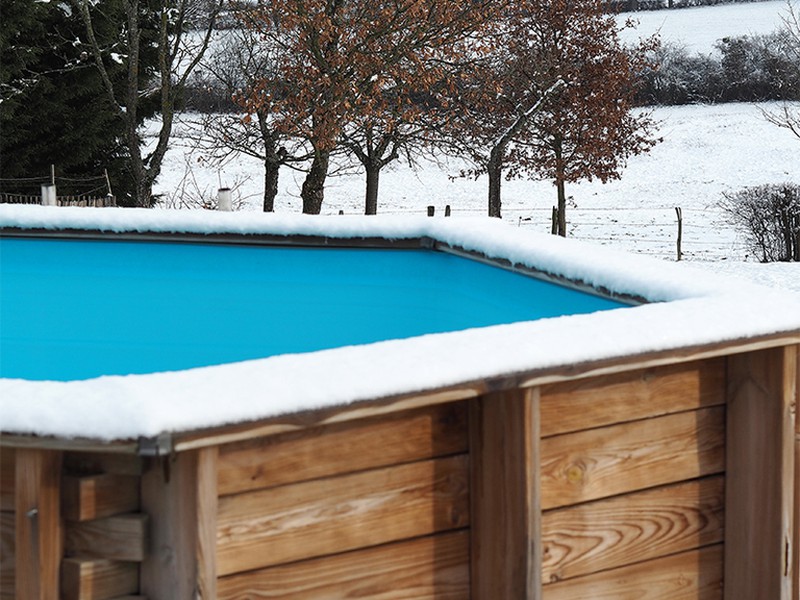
505 490
39 531
760 473
179 494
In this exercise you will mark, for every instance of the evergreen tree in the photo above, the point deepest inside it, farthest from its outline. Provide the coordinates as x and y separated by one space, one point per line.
54 110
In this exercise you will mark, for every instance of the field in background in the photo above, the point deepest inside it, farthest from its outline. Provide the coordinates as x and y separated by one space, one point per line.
700 27
707 150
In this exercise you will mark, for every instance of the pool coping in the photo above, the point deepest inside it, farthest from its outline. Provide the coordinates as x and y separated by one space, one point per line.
775 322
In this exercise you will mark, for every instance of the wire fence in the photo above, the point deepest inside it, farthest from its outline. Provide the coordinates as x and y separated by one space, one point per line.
57 190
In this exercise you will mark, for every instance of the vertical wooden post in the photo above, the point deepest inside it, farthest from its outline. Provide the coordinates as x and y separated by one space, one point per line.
38 528
760 472
431 211
679 212
179 494
506 551
447 210
796 541
554 222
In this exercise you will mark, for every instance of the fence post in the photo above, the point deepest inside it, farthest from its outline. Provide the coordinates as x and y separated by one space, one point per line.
224 200
554 225
49 194
431 211
447 211
680 230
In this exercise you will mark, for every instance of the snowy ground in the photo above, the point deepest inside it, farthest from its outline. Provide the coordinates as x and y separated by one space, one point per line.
707 150
699 28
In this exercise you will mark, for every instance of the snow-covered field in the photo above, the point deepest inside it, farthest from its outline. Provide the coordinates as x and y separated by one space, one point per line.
700 27
707 150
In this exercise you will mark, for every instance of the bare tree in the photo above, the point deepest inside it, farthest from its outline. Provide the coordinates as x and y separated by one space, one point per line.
788 116
243 65
164 27
342 62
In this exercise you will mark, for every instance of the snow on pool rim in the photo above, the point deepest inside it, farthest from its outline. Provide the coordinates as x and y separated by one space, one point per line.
688 309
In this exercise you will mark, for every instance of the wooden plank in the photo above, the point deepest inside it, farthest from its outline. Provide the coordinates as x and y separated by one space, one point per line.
504 496
587 465
343 448
760 474
97 496
96 463
179 495
123 537
97 579
620 531
7 560
337 514
429 568
7 460
300 421
587 403
38 532
693 575
796 541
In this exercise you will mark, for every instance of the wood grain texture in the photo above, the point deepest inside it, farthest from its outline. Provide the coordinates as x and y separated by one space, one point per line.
179 497
796 540
7 484
97 496
97 579
338 514
342 448
504 496
228 434
123 537
96 463
693 575
760 475
38 542
429 568
7 560
601 401
620 531
587 465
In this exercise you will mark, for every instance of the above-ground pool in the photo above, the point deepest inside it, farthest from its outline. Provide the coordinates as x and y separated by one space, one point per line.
80 308
650 451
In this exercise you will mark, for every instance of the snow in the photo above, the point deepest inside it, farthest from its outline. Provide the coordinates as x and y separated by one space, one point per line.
707 151
699 28
699 309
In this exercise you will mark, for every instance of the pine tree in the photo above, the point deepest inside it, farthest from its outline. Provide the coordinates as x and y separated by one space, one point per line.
53 109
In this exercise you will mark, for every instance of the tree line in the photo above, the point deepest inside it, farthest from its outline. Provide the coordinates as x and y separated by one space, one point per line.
522 88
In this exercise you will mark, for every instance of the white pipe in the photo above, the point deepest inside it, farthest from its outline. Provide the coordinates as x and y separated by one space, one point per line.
224 199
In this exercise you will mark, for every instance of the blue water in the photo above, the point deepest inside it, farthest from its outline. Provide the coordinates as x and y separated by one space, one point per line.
74 309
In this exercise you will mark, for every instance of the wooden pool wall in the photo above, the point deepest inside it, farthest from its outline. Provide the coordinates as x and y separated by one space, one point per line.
678 479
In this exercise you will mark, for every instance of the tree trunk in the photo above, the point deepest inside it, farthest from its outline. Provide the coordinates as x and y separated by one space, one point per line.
271 170
373 179
313 191
494 169
562 207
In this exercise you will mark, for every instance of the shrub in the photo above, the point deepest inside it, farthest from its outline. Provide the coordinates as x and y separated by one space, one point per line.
680 78
769 216
744 69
